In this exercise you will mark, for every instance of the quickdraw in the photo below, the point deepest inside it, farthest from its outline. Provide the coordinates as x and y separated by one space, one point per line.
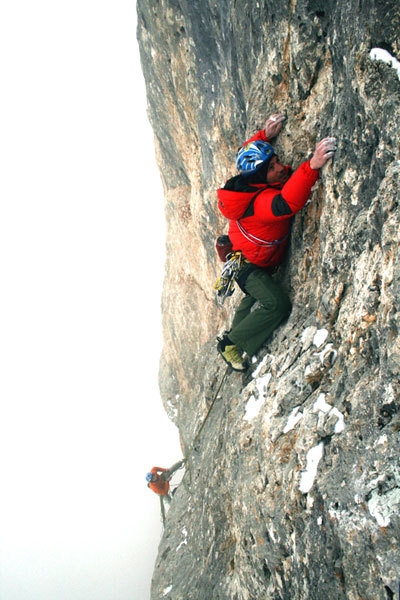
225 284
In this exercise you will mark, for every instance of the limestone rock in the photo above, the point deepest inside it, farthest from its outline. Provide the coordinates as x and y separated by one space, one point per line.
292 487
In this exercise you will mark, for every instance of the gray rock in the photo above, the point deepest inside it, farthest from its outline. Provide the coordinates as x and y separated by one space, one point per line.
292 485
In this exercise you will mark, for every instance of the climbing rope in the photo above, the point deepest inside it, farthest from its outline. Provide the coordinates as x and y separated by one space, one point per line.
191 448
162 508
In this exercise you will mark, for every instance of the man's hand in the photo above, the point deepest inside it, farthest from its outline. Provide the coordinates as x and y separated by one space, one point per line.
324 150
274 125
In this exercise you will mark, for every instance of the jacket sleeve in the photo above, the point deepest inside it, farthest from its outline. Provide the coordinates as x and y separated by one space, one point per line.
157 470
291 198
297 189
260 135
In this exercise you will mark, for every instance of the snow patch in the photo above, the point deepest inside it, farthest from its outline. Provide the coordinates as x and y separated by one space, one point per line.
262 384
382 440
308 335
254 404
184 541
294 417
308 476
381 507
166 590
320 337
172 409
253 407
339 426
266 358
386 57
271 534
321 406
327 350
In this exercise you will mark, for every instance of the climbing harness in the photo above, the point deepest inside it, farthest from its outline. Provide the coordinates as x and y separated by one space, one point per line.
225 284
258 241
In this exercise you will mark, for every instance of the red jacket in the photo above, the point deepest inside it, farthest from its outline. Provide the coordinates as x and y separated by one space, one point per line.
159 486
269 217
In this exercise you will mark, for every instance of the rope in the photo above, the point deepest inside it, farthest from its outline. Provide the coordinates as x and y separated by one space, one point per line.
162 507
191 448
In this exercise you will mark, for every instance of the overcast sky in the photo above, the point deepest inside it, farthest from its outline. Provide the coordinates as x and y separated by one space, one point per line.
81 419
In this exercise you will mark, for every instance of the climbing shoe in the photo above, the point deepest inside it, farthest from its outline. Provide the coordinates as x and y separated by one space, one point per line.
231 355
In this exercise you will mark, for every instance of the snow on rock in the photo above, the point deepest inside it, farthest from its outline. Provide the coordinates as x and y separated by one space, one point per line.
254 403
294 417
382 506
328 415
259 367
308 335
308 476
342 274
321 405
340 419
320 362
167 590
328 350
384 497
184 541
320 337
386 57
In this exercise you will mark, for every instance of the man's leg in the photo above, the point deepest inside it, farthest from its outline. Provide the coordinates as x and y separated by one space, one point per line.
242 311
232 355
274 305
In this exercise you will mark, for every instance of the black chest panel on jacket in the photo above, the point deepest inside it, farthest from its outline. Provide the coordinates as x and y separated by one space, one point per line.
241 183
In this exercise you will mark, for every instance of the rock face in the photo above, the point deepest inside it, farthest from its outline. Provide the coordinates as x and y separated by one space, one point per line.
292 486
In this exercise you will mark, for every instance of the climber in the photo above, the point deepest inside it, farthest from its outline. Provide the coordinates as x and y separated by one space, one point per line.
158 479
260 202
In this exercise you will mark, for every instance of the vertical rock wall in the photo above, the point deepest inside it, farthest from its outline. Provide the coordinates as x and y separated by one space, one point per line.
293 485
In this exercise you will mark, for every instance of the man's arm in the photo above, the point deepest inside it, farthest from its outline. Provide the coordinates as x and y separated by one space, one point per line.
157 470
324 150
273 125
297 189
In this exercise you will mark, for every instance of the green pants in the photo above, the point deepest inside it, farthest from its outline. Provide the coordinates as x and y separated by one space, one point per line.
254 323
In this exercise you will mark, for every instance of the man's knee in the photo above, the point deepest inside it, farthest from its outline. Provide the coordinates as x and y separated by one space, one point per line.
277 302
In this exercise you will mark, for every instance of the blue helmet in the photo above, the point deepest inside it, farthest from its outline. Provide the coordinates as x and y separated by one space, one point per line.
252 156
149 476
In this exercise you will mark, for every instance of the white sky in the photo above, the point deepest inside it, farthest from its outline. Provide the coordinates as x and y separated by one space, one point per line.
81 421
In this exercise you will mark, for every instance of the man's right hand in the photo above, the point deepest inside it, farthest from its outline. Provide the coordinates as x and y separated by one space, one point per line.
274 125
324 150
